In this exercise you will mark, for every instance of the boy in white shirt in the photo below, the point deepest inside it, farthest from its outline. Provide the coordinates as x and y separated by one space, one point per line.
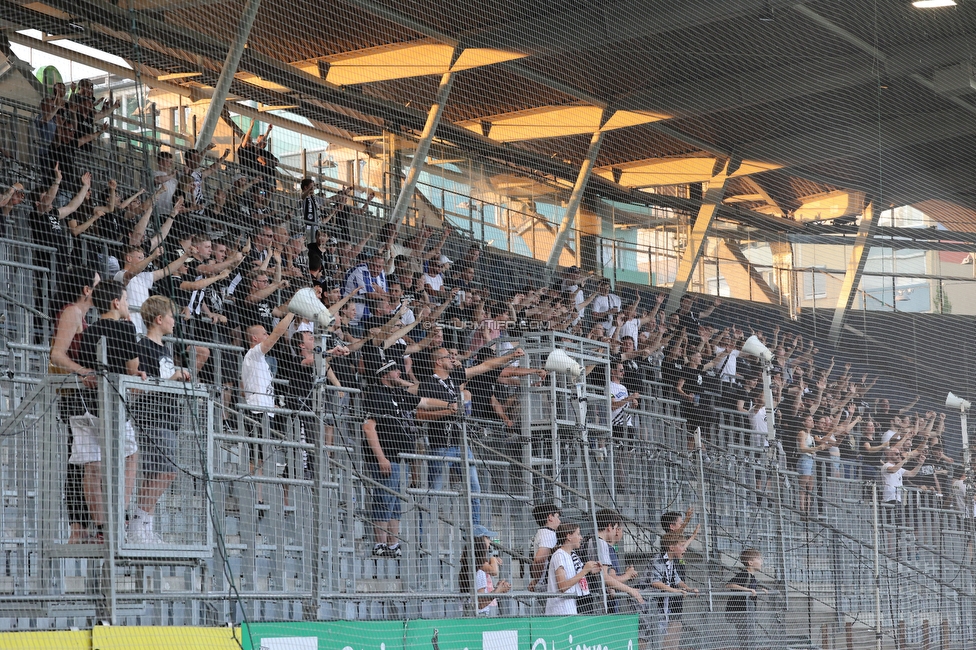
546 516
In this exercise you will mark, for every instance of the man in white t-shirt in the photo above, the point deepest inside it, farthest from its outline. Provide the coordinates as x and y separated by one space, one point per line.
566 567
606 305
256 379
138 282
897 430
434 278
893 472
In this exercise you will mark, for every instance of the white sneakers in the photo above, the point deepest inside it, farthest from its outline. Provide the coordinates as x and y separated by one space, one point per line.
140 530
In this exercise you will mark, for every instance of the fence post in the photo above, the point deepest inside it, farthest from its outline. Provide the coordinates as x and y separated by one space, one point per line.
877 566
466 481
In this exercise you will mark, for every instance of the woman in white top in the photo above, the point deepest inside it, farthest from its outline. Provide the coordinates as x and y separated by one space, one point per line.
564 574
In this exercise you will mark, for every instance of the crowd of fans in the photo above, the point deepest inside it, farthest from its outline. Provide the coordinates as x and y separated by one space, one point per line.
423 335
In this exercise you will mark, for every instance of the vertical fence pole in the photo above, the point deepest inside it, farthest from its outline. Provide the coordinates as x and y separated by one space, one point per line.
466 481
877 566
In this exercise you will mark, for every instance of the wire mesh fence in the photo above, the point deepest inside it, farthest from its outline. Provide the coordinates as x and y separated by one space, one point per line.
783 163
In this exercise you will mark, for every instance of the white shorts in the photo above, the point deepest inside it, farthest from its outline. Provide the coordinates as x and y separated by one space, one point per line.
86 439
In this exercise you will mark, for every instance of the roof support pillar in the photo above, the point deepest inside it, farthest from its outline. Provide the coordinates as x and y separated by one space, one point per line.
227 75
689 259
855 267
783 273
574 201
423 146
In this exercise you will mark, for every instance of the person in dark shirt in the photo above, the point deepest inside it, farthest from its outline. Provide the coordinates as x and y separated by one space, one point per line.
689 321
740 610
47 223
310 209
121 358
688 390
386 435
157 415
444 428
488 401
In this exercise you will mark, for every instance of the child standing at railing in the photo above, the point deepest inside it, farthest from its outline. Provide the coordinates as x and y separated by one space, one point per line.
741 610
155 415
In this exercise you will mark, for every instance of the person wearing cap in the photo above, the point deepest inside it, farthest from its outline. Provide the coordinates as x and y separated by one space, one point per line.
434 277
387 433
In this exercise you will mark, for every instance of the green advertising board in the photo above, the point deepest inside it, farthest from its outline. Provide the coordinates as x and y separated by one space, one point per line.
542 633
323 635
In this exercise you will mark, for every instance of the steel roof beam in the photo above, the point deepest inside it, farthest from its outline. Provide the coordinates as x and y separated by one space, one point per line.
855 266
699 233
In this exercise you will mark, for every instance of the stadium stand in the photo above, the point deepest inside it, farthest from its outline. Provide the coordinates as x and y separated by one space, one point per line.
222 457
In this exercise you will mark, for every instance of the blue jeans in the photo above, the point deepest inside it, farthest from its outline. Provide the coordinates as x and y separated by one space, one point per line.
385 506
438 474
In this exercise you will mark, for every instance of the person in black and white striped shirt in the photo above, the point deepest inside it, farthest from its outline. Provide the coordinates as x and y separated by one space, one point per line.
620 400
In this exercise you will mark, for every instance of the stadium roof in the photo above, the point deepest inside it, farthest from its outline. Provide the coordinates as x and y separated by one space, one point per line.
820 106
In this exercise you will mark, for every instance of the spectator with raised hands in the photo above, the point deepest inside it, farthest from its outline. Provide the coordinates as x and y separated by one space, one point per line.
690 321
444 429
87 214
137 237
9 200
606 305
139 282
199 173
255 158
47 227
166 181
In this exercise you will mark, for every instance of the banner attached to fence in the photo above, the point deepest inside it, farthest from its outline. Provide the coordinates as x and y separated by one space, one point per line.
542 633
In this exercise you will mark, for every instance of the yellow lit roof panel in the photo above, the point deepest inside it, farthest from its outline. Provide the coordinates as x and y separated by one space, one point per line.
830 206
477 57
401 60
676 171
556 122
389 62
543 122
622 119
